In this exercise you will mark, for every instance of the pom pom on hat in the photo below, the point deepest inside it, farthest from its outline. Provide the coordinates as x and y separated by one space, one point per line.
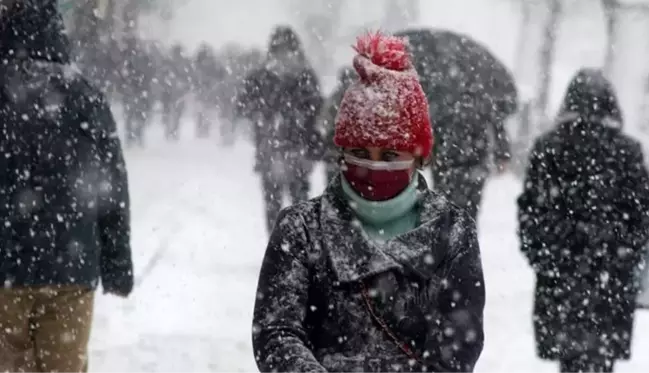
384 51
387 108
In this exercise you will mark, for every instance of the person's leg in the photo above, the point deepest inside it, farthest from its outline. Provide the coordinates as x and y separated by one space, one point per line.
204 122
474 185
167 116
272 191
177 116
299 186
62 329
16 344
140 127
200 119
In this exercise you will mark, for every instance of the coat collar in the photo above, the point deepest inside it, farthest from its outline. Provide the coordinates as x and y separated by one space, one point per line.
354 257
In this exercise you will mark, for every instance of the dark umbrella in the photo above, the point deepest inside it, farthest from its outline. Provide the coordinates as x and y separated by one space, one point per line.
452 65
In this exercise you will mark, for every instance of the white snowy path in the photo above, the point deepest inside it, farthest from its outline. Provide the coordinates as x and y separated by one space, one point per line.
197 215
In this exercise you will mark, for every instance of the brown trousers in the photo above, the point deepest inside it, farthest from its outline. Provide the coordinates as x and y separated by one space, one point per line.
45 329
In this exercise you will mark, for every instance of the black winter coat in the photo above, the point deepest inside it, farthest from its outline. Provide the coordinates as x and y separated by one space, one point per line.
137 74
582 223
63 193
426 285
283 99
468 131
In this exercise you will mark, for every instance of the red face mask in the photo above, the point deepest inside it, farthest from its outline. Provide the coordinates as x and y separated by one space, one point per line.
377 181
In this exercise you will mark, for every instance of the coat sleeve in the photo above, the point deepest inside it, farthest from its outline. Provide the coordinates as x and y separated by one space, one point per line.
247 100
458 340
636 192
279 337
541 221
311 101
501 110
114 213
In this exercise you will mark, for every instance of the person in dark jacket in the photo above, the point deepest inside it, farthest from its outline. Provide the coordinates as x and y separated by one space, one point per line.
176 87
583 221
327 121
137 90
379 273
63 196
282 98
470 133
209 75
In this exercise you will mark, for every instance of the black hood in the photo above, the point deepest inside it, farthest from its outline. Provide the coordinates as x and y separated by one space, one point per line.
34 29
284 41
591 96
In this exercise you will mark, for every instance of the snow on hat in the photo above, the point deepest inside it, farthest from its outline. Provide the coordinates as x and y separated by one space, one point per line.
386 107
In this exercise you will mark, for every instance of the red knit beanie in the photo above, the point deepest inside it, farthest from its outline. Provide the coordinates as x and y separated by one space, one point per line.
386 107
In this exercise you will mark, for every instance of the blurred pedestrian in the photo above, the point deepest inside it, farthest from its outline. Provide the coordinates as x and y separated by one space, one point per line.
64 196
583 226
283 99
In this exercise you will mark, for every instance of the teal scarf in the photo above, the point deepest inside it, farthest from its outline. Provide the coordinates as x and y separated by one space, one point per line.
383 220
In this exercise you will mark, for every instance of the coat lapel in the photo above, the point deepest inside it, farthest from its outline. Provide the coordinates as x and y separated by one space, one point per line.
353 257
422 250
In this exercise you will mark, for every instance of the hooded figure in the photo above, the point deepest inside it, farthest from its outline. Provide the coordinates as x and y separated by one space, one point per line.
63 196
137 73
373 274
583 224
176 86
209 75
282 99
327 121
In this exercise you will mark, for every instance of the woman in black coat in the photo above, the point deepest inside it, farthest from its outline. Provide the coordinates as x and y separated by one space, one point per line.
583 223
379 273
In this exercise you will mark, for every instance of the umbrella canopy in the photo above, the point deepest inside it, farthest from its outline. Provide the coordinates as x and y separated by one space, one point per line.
451 64
470 94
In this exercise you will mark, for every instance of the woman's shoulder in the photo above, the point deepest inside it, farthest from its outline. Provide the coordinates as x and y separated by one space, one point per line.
439 209
300 214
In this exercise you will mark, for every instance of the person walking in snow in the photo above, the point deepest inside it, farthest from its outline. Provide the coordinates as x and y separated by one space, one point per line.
137 90
208 75
282 99
176 86
63 196
470 132
379 273
327 121
583 223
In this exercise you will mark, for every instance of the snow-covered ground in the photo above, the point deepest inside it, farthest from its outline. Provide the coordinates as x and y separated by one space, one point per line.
198 239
